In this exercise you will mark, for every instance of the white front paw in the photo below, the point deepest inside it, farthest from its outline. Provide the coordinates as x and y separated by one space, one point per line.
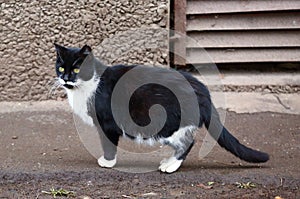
106 163
170 165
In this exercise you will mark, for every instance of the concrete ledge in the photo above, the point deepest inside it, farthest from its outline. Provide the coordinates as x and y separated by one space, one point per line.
49 105
254 78
257 102
236 102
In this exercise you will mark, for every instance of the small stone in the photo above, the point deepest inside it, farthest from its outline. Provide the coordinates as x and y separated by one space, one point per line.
14 137
85 197
278 197
162 9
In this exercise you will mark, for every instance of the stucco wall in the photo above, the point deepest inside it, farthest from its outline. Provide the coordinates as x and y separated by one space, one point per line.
29 29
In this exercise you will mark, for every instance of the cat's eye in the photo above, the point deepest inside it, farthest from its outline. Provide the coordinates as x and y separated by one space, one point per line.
76 70
61 69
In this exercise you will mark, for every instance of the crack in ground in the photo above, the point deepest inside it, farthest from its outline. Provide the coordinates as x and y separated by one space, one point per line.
281 103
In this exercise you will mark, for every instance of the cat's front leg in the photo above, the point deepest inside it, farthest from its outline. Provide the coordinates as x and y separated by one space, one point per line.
107 163
109 144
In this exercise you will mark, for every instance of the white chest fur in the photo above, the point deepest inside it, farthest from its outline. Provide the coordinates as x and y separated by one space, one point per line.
80 97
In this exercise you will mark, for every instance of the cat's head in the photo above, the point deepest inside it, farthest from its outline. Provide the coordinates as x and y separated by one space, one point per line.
69 65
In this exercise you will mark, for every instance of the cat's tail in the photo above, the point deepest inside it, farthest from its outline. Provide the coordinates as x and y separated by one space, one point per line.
230 143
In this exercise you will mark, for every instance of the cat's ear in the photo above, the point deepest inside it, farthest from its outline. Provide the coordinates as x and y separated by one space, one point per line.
85 50
59 49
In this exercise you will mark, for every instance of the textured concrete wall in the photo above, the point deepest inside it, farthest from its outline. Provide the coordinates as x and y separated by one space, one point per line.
29 28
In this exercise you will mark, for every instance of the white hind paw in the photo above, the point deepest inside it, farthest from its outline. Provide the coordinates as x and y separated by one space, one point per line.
170 165
106 163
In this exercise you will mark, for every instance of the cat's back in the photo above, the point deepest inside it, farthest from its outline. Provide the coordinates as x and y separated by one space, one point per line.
134 75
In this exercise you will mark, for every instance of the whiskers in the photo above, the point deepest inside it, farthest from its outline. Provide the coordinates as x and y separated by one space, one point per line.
53 85
77 86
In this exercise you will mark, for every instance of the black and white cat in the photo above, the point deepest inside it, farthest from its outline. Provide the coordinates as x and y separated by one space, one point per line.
90 84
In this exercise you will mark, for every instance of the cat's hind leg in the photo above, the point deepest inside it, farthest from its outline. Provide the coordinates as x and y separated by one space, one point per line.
182 142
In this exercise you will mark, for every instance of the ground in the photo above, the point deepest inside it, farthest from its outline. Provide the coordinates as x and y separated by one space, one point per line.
40 150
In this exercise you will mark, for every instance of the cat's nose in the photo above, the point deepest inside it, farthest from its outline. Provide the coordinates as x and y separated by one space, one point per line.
66 77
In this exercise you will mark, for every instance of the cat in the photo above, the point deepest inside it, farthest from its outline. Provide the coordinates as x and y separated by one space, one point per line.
90 84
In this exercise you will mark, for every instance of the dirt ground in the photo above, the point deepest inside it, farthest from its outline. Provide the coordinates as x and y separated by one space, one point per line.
41 150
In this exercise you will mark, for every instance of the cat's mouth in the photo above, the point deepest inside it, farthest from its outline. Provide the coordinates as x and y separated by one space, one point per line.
67 84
